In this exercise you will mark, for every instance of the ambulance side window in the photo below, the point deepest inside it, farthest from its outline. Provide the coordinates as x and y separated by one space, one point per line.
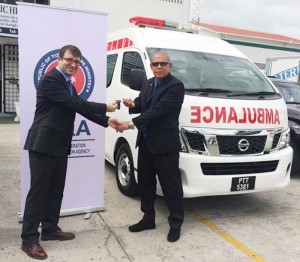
110 66
131 60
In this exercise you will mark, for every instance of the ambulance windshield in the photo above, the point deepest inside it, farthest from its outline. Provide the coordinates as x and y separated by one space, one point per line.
218 74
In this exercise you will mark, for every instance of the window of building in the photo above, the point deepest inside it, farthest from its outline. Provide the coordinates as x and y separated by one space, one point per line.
11 69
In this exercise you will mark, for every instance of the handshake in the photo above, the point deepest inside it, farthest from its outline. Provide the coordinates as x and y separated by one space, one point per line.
115 123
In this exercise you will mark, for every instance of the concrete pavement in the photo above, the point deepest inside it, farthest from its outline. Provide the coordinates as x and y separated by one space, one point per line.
103 237
253 227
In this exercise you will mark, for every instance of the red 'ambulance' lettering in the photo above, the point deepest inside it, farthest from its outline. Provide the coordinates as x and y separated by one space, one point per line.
208 114
207 118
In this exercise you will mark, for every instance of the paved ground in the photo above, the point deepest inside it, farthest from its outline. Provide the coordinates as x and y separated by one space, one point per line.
254 227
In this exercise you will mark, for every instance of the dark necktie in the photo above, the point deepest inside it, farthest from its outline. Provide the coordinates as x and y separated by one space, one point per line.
156 86
70 86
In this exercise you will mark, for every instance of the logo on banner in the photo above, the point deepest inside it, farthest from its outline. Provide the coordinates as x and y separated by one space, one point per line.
83 80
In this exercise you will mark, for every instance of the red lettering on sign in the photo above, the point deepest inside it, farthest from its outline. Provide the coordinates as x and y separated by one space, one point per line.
276 121
220 114
260 115
232 116
195 112
244 119
208 114
269 115
251 117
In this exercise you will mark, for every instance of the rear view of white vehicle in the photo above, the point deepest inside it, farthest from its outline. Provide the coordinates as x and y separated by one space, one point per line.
233 123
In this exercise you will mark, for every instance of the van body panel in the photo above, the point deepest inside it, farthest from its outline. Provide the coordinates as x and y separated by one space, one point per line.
234 129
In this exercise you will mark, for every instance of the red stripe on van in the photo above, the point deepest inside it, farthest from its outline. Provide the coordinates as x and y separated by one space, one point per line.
109 46
119 44
114 45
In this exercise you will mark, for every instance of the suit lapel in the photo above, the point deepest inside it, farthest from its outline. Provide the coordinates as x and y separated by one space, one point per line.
148 91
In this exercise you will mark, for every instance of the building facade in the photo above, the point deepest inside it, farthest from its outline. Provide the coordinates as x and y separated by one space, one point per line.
9 54
258 46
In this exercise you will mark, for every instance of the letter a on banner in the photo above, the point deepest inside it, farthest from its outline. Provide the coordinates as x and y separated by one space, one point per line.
39 44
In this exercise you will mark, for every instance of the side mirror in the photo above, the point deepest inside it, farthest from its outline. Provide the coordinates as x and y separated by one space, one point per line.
137 79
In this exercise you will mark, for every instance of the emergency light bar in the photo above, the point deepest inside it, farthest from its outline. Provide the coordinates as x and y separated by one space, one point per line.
164 24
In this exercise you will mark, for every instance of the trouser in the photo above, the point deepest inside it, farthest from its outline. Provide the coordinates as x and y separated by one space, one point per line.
43 202
166 167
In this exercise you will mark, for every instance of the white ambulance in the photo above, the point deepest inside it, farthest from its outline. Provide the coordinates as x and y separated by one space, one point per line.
233 123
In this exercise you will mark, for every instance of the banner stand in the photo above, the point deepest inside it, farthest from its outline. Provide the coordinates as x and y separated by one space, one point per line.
39 45
75 211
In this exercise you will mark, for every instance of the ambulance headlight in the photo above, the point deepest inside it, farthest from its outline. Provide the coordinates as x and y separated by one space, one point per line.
285 139
183 145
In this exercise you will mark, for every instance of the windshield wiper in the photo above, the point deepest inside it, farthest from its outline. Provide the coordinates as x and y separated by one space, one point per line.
264 93
291 102
209 90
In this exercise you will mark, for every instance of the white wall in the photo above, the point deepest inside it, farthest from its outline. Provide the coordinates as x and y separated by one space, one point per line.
259 55
119 11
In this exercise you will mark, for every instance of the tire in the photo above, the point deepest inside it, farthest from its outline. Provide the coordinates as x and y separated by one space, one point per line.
296 157
124 170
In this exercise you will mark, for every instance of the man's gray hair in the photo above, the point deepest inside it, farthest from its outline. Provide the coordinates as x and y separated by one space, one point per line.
161 53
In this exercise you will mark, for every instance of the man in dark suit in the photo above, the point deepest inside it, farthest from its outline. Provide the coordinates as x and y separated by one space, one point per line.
49 142
159 103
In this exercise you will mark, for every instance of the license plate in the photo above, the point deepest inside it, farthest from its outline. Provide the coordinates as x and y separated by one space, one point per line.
243 183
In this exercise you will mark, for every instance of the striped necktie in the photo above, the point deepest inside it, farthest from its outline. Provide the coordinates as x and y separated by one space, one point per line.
156 86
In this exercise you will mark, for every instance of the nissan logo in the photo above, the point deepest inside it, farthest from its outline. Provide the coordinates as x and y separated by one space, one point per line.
243 145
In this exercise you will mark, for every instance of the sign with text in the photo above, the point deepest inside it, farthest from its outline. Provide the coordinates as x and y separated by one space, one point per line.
8 20
84 189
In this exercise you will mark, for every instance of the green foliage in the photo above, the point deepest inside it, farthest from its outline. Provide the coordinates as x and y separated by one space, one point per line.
12 80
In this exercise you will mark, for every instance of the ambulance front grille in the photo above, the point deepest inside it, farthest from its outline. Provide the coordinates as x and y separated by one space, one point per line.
196 141
230 142
228 145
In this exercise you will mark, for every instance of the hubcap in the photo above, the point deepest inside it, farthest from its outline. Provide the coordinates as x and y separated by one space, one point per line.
124 169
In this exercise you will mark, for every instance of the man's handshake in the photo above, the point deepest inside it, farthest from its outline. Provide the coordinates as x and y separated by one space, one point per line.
120 126
115 123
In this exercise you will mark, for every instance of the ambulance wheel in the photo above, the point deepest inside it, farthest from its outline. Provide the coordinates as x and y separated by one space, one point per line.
296 156
125 171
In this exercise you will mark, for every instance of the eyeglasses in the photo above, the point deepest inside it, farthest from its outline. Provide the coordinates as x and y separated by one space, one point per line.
71 61
156 64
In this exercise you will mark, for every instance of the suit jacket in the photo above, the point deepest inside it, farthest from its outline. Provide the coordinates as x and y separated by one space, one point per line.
159 114
52 129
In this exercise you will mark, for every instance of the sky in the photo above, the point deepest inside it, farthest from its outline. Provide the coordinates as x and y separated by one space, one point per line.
270 16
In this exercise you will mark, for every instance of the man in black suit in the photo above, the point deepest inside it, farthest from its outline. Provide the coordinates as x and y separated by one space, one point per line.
159 103
49 142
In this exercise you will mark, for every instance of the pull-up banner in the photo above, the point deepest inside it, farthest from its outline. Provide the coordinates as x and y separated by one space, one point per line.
43 30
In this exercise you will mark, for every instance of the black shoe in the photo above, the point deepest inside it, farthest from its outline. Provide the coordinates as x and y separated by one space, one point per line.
57 235
173 235
142 225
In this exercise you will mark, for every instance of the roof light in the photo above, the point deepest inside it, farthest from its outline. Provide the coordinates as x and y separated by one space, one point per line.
167 24
145 21
138 20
